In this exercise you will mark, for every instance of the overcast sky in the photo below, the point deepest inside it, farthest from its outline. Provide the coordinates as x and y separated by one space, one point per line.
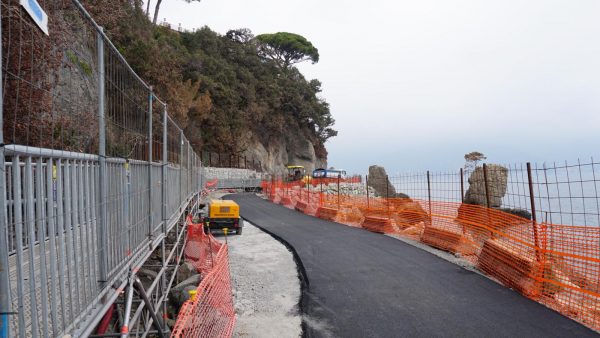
414 85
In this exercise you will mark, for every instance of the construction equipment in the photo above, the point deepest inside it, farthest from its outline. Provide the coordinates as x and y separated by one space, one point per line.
295 173
224 214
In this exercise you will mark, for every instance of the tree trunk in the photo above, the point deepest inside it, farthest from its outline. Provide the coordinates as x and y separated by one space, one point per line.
148 7
135 4
156 11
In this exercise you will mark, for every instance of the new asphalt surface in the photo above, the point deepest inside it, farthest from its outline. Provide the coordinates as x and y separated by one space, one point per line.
363 284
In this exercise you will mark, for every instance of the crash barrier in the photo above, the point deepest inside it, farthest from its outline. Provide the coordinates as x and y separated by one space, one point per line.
557 265
208 313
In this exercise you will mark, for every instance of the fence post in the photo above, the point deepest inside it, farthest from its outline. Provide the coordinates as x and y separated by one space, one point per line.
4 261
321 197
387 194
163 188
190 169
429 194
150 211
309 183
367 184
165 163
533 215
180 166
462 186
102 184
485 183
338 191
487 199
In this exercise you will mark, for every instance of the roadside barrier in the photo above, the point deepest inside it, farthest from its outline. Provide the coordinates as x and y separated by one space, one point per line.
212 184
326 213
377 224
301 206
556 265
209 312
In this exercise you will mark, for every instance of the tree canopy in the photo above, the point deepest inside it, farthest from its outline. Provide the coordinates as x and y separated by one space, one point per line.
472 159
286 49
219 87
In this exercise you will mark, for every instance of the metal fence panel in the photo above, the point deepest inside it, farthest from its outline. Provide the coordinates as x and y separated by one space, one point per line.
83 193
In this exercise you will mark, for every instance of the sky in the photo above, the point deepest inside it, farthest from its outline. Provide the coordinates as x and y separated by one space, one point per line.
414 85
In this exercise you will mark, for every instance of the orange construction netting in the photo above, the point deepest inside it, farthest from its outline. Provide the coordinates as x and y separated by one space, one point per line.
210 312
557 265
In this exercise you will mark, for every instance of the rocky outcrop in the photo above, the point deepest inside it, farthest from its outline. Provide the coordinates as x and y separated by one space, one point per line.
380 182
497 181
275 155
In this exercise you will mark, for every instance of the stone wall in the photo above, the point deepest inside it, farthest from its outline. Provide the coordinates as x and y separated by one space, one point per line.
231 173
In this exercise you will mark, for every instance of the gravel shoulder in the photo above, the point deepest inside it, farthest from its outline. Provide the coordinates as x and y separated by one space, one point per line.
266 287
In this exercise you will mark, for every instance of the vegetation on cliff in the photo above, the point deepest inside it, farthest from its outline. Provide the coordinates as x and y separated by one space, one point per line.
218 87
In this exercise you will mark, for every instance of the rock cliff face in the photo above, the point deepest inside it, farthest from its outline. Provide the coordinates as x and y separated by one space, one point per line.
275 155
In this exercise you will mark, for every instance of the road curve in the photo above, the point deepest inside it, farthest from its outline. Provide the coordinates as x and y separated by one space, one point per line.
362 284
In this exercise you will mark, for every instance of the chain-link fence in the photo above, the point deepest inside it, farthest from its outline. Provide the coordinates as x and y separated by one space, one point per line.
95 171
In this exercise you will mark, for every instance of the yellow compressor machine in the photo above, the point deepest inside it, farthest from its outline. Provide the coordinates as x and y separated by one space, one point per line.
224 214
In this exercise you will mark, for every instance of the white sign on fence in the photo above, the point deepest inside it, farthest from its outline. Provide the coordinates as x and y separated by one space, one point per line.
37 14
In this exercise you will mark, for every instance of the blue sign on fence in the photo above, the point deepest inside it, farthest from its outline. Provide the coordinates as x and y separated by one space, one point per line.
37 14
4 326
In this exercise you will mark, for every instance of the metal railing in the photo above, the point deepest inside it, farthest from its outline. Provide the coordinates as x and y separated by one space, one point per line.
96 175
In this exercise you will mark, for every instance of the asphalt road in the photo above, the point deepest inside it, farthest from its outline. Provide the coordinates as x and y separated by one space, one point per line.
362 284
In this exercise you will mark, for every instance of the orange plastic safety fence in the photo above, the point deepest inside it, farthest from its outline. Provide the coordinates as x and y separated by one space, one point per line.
557 265
201 249
212 183
210 312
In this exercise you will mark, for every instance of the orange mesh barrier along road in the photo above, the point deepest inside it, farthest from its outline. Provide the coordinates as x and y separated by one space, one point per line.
210 313
557 265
